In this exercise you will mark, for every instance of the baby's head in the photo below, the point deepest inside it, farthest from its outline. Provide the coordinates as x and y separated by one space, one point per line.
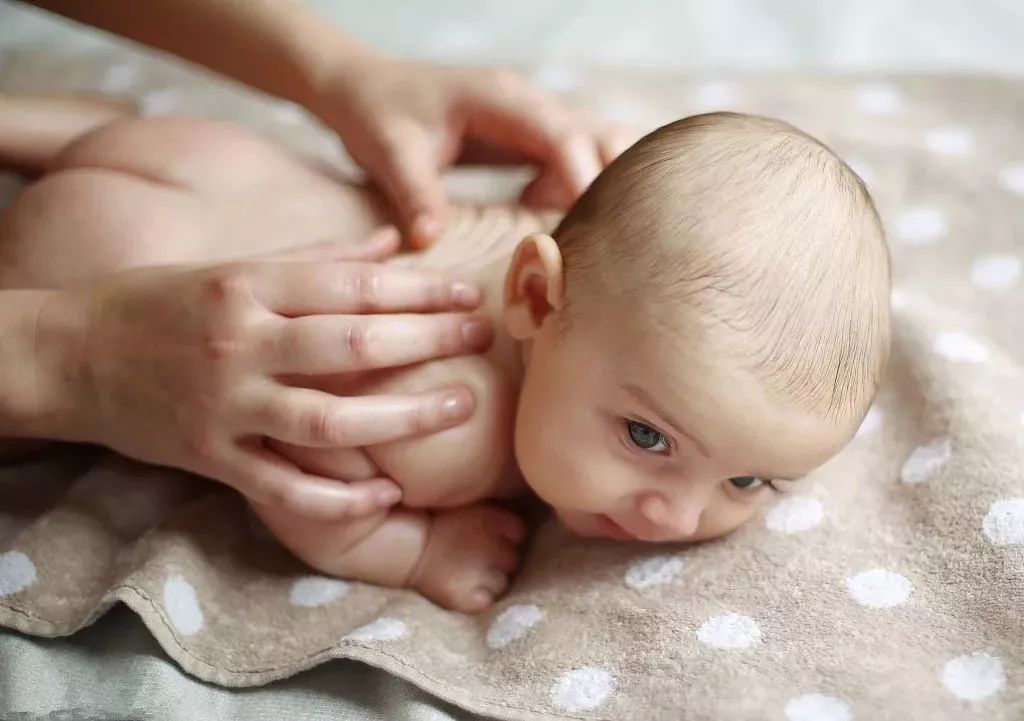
711 317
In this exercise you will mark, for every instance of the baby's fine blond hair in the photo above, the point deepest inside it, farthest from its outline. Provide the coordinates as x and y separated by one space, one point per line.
760 229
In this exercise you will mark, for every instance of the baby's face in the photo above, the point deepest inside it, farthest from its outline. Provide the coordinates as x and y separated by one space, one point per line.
630 434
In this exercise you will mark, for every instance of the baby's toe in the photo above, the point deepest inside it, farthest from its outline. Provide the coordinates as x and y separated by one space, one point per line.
506 559
494 581
480 599
513 528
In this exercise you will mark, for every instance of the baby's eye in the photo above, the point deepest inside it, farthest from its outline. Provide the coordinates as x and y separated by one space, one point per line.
647 438
747 483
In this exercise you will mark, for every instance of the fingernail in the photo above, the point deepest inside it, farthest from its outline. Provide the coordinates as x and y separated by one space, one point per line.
457 406
425 229
387 497
466 295
476 333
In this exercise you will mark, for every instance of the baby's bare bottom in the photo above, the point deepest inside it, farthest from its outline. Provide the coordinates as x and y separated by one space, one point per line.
170 191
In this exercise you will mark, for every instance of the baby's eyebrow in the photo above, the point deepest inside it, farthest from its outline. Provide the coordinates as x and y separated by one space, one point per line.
644 397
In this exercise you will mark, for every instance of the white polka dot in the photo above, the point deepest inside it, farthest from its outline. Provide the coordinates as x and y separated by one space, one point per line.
960 348
120 77
1011 177
1003 525
557 78
512 624
864 171
160 102
383 629
818 707
996 272
879 588
926 460
730 631
583 689
921 225
17 572
313 591
182 605
715 95
949 140
653 571
878 99
974 676
795 514
871 422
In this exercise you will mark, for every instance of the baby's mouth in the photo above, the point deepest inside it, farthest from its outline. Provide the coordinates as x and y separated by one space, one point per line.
610 529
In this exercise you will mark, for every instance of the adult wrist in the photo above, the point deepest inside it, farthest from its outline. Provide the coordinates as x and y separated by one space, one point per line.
40 381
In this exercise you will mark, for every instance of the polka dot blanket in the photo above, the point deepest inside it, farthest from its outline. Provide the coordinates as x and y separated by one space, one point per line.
888 585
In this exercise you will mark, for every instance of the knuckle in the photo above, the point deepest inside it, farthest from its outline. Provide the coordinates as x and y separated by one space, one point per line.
320 427
427 418
449 337
226 284
357 339
363 288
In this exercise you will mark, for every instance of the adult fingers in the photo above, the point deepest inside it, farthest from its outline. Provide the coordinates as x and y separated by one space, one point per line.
538 124
345 464
294 289
304 417
327 344
547 190
270 480
406 165
614 139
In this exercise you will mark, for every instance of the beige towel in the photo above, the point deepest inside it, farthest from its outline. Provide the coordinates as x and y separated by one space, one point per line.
890 585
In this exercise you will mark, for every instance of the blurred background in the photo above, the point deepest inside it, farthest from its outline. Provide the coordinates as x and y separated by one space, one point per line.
805 36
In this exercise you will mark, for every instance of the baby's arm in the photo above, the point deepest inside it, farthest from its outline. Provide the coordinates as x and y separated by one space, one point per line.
34 129
459 558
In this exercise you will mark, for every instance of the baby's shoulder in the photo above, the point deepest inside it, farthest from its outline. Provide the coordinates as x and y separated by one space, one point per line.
462 464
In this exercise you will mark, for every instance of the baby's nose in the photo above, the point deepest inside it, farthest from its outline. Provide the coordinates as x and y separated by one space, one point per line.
673 518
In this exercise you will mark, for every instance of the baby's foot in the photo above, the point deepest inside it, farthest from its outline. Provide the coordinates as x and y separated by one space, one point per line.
469 556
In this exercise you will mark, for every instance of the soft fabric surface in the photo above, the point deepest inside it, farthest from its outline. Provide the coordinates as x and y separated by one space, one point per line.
887 586
114 671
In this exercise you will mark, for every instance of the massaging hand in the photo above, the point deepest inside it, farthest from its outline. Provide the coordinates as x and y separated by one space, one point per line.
405 121
188 367
402 121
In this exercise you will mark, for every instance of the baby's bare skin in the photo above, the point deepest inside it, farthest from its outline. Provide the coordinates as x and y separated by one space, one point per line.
168 191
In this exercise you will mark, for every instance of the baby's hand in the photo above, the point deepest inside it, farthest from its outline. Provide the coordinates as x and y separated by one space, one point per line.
469 557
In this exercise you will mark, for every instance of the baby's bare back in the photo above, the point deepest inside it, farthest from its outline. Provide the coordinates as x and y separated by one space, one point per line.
168 191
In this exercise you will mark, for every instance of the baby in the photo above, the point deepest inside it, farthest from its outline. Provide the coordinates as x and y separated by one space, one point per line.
709 320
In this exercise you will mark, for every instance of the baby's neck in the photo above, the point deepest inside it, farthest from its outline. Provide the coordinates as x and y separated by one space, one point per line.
477 246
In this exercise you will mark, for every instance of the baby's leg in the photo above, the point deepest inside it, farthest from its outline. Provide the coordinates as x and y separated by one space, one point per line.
459 558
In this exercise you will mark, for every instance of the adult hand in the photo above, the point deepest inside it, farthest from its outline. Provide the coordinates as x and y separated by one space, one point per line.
405 121
188 367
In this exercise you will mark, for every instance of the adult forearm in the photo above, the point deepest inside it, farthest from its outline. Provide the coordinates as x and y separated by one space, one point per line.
281 47
39 338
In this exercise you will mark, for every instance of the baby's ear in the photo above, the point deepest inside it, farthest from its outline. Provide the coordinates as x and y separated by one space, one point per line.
534 286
